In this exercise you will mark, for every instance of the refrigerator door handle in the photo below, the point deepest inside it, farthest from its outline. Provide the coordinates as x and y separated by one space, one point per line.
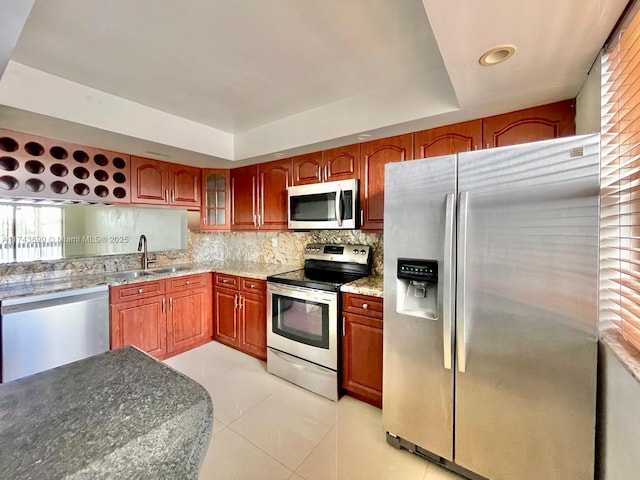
461 330
447 300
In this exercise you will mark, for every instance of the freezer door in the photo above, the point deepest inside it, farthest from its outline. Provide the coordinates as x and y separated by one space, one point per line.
527 310
419 219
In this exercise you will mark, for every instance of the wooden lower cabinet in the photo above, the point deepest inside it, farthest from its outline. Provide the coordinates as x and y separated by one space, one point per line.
362 348
253 325
226 320
163 317
240 314
189 319
141 323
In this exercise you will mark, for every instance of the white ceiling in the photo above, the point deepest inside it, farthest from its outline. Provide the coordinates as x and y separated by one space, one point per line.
205 80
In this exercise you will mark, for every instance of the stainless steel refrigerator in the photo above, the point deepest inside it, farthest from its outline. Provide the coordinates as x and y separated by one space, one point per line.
490 309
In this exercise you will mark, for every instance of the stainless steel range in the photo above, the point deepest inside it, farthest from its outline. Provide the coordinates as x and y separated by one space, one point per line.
303 312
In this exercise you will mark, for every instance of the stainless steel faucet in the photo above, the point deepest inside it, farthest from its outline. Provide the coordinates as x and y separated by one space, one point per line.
142 246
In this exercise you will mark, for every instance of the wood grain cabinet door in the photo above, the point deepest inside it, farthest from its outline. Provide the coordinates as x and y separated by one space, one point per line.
362 358
253 327
187 317
274 177
374 156
244 194
141 323
226 321
150 181
308 168
184 186
458 138
530 125
341 163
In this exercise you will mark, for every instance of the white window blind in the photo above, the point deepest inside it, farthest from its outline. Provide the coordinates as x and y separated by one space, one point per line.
31 233
620 202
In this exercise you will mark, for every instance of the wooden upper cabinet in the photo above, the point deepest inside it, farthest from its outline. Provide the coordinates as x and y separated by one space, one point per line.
374 156
184 185
448 140
259 196
216 200
244 194
160 183
308 168
150 181
274 178
327 166
341 163
530 125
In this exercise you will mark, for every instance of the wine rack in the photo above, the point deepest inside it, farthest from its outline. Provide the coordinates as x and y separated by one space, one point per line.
49 169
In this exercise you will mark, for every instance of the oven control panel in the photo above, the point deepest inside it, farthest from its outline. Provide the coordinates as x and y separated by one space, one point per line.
338 252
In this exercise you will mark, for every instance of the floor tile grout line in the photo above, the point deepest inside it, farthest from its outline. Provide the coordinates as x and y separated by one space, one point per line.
259 448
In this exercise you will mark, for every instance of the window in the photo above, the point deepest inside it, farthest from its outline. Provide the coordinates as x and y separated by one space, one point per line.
620 201
31 233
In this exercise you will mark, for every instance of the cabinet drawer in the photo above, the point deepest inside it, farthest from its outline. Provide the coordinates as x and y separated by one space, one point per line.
252 285
227 281
136 291
362 305
187 281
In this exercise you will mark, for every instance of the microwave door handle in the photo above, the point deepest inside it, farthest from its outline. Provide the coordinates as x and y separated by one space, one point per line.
339 205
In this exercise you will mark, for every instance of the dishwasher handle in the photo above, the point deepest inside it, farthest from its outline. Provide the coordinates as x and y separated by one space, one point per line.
65 297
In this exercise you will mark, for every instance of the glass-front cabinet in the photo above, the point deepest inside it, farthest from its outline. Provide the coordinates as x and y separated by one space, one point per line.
216 200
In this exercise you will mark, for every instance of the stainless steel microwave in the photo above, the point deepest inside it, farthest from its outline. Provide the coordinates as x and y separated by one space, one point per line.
330 205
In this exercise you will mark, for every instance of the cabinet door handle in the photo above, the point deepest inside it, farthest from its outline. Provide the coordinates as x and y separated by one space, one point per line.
171 304
259 220
255 223
224 280
365 306
141 290
164 304
235 301
488 145
319 173
325 173
166 196
240 300
343 327
173 195
361 217
204 221
188 282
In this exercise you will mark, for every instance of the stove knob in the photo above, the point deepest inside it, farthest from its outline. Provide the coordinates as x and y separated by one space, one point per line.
355 251
363 252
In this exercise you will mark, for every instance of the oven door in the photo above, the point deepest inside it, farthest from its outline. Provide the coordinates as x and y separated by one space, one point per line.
303 322
330 205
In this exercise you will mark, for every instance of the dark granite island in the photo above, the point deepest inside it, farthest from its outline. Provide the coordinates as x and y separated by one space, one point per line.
118 415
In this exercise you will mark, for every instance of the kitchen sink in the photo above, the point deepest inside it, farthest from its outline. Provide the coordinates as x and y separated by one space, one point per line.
132 274
169 269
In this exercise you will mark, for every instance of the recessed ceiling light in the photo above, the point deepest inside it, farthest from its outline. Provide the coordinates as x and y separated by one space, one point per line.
364 136
278 155
497 55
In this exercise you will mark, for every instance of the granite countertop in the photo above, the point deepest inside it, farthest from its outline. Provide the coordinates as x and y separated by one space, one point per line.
372 285
120 414
628 355
258 271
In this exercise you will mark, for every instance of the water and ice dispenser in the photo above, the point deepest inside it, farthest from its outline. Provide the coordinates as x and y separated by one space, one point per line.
417 284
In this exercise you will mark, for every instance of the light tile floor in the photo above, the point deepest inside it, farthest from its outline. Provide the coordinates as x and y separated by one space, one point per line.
269 429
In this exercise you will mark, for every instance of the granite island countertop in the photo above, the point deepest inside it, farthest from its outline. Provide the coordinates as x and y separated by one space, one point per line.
120 414
258 271
372 285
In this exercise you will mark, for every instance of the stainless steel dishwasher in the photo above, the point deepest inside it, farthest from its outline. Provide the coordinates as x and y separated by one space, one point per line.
45 331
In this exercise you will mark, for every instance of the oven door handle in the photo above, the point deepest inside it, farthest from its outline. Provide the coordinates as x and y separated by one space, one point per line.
302 293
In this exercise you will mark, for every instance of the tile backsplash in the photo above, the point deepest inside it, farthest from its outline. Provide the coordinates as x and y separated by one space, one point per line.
262 247
276 247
